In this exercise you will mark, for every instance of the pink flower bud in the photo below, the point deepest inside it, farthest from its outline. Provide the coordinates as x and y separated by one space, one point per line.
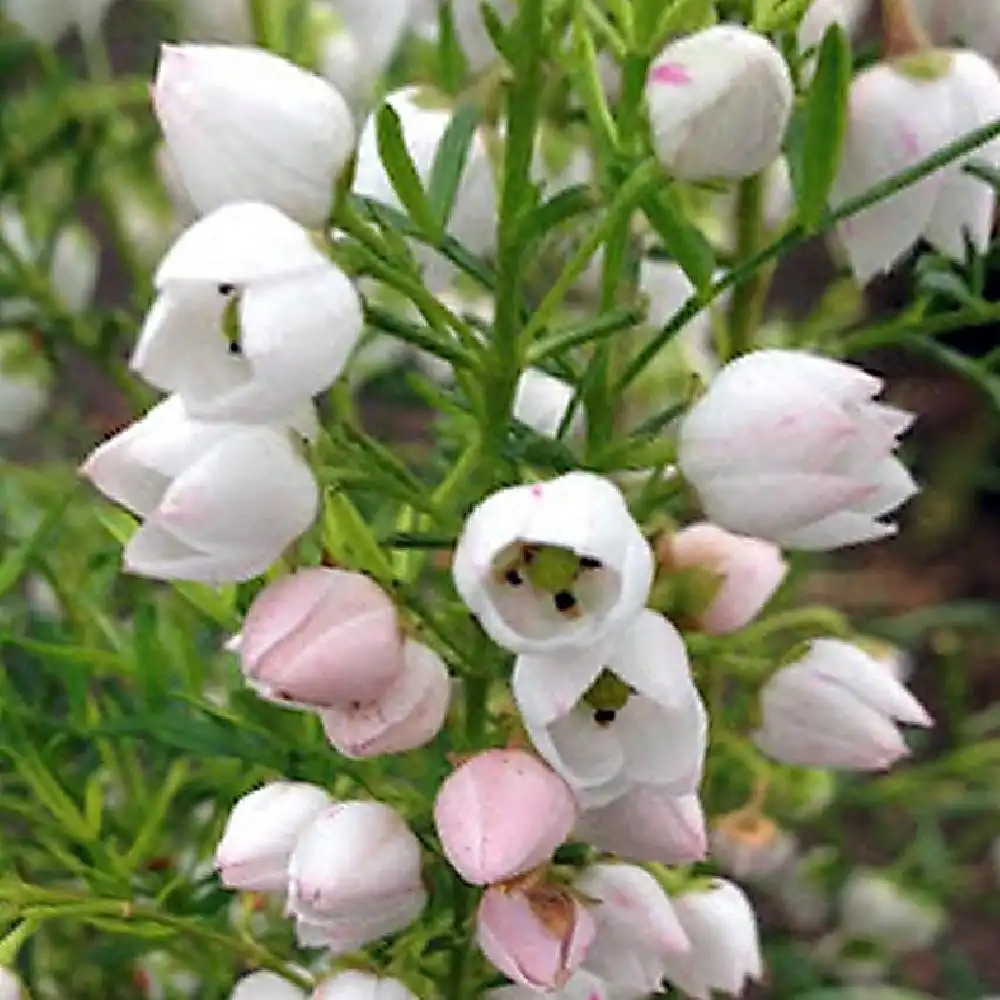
261 832
501 814
354 876
747 570
321 637
408 715
537 937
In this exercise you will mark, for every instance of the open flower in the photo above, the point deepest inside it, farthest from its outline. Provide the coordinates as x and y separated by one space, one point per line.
243 124
407 715
719 101
637 927
261 832
624 714
321 637
220 502
720 925
898 116
536 935
553 566
836 707
354 876
792 447
647 824
251 319
500 814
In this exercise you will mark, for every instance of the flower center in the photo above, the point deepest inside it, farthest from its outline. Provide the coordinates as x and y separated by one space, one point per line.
607 696
553 571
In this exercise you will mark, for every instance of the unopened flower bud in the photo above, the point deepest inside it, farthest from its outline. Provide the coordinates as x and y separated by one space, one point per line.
265 985
719 101
261 833
876 909
537 936
750 846
725 950
836 707
354 876
723 579
321 637
502 813
245 125
409 714
353 984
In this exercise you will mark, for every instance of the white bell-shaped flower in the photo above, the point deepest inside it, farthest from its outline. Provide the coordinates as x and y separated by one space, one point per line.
553 566
261 832
879 910
624 714
251 319
725 949
243 124
647 823
636 927
792 447
836 707
582 985
719 102
354 876
898 117
220 502
424 117
265 985
353 984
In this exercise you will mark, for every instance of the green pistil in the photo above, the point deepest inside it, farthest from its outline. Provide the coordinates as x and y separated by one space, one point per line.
551 569
231 323
608 693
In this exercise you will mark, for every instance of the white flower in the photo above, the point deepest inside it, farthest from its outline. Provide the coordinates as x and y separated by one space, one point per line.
637 927
353 984
25 383
874 908
750 846
10 986
895 120
836 707
354 876
72 271
424 119
647 824
261 832
265 985
47 20
553 566
245 125
358 40
667 288
791 447
251 320
626 713
541 401
725 951
719 101
220 502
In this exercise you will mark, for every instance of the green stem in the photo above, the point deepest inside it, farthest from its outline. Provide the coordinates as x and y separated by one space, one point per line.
748 299
798 234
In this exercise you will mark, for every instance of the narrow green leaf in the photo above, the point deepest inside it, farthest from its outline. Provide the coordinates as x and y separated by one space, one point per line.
449 162
16 563
583 333
499 35
568 204
825 122
684 242
399 166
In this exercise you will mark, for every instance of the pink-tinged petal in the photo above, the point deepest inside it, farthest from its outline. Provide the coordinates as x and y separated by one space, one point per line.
500 814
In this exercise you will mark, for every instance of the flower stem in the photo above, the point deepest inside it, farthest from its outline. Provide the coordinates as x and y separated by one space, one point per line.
748 299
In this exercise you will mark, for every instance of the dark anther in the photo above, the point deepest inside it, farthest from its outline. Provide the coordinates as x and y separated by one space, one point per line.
234 347
589 562
226 289
513 578
527 554
564 601
604 716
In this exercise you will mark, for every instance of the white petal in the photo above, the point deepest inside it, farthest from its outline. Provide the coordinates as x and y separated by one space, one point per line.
844 528
238 244
651 658
548 687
